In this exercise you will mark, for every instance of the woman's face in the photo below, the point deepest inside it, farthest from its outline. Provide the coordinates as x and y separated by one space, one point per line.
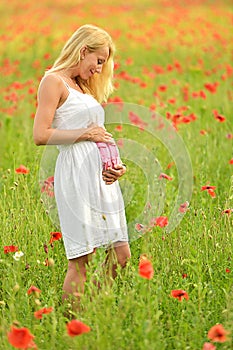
92 62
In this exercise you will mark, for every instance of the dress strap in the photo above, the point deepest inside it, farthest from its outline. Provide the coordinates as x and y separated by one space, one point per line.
66 84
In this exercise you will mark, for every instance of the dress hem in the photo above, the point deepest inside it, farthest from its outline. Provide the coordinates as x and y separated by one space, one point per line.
101 245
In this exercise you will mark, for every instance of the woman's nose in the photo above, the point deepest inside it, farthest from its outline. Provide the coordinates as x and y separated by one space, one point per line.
98 69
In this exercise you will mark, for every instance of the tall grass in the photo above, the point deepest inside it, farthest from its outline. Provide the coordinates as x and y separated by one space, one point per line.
132 313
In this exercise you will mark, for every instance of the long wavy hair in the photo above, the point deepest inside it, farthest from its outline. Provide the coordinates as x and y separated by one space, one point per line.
94 38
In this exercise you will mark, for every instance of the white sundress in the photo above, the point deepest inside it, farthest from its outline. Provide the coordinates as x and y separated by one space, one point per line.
91 213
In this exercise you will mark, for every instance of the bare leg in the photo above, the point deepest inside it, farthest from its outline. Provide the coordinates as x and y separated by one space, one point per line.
118 255
75 279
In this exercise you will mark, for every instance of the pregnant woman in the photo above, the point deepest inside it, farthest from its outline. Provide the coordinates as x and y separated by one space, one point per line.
69 114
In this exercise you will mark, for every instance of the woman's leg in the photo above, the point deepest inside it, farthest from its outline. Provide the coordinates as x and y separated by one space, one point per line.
75 278
118 255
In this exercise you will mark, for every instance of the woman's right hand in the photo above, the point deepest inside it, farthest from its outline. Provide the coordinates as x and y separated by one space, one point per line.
97 133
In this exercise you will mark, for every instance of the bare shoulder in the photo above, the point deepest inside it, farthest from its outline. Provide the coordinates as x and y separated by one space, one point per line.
51 89
51 80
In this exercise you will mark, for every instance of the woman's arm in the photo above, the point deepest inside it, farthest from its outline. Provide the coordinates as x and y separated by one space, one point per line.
50 94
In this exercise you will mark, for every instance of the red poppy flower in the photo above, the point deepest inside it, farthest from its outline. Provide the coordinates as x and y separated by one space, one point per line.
179 294
218 116
174 81
184 275
218 334
116 65
48 186
227 211
211 87
158 69
153 108
143 85
118 102
129 61
178 67
168 115
119 128
183 207
161 221
228 270
76 327
210 190
33 289
22 170
170 165
139 227
47 56
45 310
231 161
202 94
21 338
120 143
185 91
208 346
54 236
207 187
10 249
229 136
169 67
136 120
145 268
165 176
212 193
162 88
171 100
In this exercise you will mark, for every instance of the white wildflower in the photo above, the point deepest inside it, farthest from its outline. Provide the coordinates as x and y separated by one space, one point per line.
18 255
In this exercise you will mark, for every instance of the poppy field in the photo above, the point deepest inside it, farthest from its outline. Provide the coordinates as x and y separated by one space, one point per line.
173 77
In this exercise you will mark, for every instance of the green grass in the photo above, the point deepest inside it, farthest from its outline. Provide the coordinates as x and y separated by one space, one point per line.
134 313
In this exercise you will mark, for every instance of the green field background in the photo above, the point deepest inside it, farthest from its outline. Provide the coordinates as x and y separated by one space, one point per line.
168 54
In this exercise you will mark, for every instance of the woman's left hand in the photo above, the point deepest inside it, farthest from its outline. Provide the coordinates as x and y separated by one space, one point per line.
111 175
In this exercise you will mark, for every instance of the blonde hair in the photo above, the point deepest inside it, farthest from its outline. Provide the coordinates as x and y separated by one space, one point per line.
94 38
